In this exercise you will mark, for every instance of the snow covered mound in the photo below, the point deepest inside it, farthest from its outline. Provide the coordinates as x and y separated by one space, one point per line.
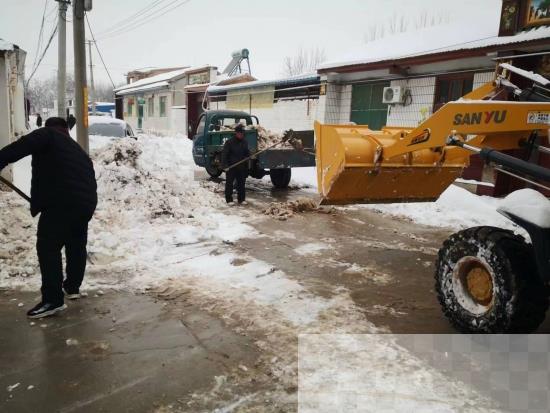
143 182
149 203
528 204
122 152
456 208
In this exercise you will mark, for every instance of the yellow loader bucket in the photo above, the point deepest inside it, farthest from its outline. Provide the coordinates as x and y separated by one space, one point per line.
351 170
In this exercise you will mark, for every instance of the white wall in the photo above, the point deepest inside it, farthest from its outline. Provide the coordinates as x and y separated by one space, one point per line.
156 124
178 120
297 114
12 103
422 93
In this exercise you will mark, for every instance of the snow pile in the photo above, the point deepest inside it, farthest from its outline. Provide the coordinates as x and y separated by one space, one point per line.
122 152
529 205
266 138
284 210
456 208
17 232
148 202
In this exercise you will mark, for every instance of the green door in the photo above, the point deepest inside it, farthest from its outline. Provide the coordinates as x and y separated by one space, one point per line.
367 107
140 115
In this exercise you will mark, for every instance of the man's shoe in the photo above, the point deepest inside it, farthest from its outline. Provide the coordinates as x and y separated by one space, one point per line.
243 203
45 310
71 294
231 203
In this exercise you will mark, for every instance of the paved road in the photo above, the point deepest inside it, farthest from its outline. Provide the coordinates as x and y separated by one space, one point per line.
156 352
132 354
392 281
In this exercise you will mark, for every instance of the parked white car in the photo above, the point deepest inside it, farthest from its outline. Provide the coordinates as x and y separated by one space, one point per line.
108 126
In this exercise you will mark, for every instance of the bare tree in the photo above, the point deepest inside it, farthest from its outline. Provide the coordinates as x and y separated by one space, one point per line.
401 24
43 92
303 62
104 92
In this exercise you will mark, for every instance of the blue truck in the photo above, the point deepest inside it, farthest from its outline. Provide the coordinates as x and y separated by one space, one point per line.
211 133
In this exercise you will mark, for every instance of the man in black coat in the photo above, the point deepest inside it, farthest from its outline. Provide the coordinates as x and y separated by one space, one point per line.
38 120
235 150
64 192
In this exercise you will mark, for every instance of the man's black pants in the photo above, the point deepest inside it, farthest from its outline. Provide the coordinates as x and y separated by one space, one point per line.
237 175
58 228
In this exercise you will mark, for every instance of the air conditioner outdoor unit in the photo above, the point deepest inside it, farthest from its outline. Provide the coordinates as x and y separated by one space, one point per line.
393 94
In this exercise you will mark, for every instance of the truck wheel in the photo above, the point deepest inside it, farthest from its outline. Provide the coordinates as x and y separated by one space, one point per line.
280 178
486 282
213 171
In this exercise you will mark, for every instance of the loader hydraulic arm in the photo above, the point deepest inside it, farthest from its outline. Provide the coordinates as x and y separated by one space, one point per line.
499 124
397 164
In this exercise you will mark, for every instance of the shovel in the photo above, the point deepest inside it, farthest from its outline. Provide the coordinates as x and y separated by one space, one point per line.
15 189
287 137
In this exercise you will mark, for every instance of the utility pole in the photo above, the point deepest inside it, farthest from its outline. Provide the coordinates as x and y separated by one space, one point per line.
61 58
92 89
80 85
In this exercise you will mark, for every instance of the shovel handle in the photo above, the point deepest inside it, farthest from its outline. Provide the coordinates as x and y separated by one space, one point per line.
15 189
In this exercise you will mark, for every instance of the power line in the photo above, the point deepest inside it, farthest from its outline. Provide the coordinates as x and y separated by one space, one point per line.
123 22
42 56
39 44
146 19
132 24
98 51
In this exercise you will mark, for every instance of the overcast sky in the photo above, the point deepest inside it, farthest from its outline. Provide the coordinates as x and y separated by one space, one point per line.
207 31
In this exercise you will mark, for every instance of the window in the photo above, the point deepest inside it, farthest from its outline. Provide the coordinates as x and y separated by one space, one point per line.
162 106
151 107
449 88
200 126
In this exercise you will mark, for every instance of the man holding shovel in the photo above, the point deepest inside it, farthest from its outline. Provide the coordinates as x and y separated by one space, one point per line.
234 151
64 192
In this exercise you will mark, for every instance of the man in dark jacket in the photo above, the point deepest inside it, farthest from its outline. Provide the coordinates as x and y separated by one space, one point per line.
64 192
235 150
38 120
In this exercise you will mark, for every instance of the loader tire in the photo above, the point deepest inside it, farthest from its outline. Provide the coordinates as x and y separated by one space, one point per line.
486 282
280 178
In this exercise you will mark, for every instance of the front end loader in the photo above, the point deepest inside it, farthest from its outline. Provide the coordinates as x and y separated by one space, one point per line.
487 279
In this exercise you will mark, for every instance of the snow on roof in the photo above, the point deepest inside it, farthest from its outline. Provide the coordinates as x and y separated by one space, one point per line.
271 82
4 45
156 85
433 40
159 80
163 77
105 103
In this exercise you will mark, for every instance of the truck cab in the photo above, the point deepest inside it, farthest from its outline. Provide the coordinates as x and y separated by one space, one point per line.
212 132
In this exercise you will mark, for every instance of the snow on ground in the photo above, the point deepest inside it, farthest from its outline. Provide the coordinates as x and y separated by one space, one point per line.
156 223
305 176
456 208
157 228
